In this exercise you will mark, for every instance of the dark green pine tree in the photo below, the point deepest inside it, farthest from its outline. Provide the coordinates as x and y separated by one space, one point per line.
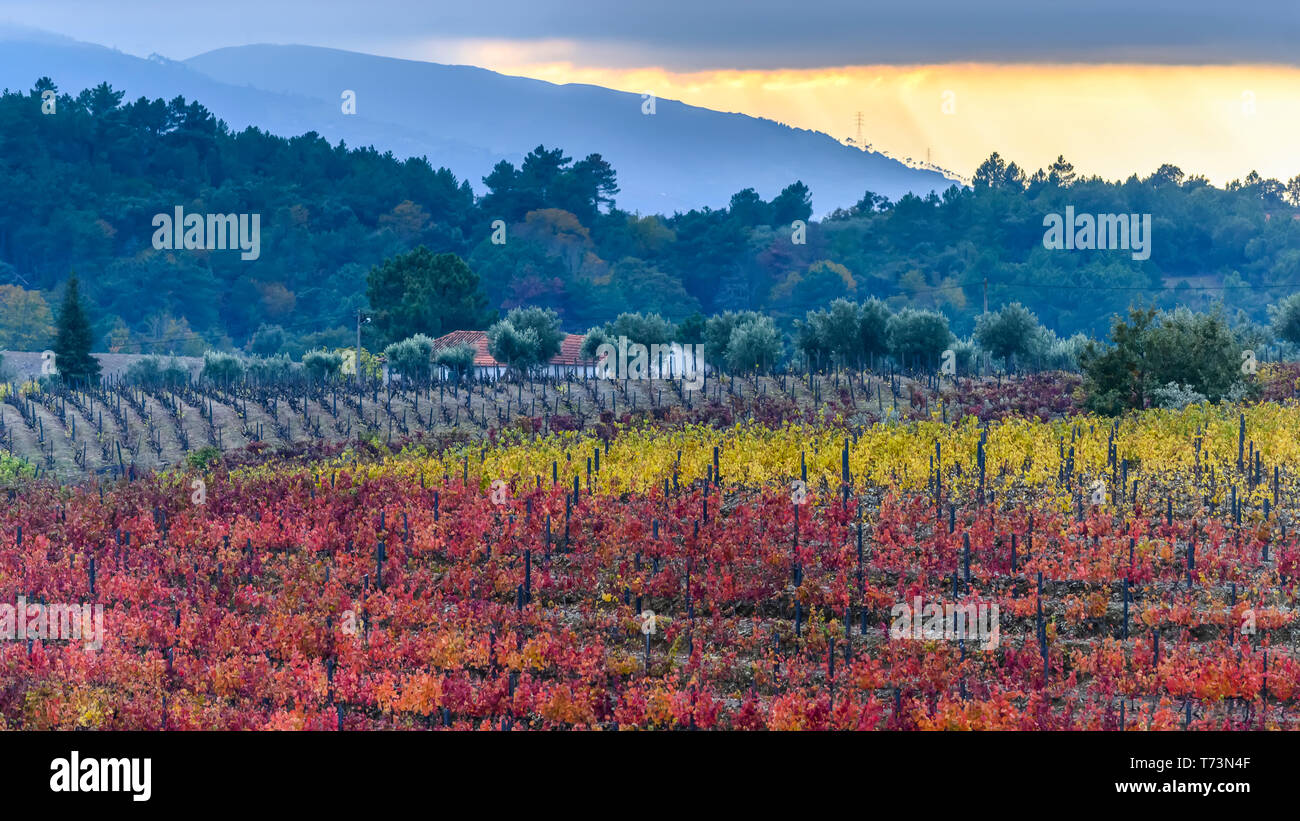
72 345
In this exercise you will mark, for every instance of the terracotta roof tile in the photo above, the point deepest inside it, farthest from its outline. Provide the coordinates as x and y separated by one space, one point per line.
475 339
570 352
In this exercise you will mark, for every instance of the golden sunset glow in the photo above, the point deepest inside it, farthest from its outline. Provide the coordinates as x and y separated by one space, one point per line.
1111 120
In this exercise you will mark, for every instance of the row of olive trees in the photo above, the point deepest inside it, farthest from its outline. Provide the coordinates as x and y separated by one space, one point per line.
415 359
223 368
737 341
845 334
851 334
226 368
527 338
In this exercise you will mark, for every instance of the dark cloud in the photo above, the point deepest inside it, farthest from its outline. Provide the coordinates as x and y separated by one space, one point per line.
696 34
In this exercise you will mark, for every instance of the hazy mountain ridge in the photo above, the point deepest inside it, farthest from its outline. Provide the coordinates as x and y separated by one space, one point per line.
678 158
467 119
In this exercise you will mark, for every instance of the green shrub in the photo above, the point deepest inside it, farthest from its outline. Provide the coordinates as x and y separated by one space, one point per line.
594 339
918 335
322 364
690 331
848 333
1149 351
873 329
1176 397
718 330
222 368
831 335
640 329
458 358
268 340
151 372
1286 319
412 357
1007 332
755 344
967 355
527 337
269 370
1050 353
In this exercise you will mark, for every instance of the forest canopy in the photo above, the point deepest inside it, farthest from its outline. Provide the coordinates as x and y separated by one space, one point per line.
79 188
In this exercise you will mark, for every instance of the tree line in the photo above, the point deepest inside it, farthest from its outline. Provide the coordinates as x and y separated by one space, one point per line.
81 186
1152 357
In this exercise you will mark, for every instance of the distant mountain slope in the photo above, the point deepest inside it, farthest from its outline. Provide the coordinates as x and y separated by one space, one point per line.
26 56
678 158
468 118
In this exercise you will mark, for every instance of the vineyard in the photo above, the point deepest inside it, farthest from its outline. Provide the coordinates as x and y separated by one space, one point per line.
735 562
118 429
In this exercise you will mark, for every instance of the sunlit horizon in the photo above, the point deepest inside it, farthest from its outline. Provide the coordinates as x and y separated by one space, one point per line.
1109 120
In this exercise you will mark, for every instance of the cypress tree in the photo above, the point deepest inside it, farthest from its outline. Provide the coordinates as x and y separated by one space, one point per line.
72 345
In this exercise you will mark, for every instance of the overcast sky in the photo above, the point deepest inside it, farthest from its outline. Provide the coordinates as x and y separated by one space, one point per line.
686 35
1119 86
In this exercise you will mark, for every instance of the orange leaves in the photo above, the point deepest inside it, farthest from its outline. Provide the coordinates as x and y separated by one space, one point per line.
1090 606
420 693
563 704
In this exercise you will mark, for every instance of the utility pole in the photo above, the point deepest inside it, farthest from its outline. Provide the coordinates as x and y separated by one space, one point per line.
986 303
